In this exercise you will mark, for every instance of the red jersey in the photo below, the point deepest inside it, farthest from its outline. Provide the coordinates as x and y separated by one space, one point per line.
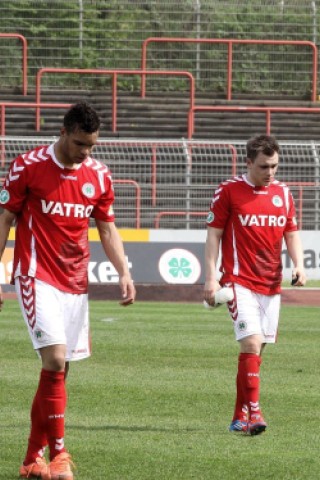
53 206
254 220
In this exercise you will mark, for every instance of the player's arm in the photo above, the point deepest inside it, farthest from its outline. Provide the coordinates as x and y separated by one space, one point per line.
295 251
211 257
6 220
113 247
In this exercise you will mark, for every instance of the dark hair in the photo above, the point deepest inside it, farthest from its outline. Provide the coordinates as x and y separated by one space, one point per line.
265 144
81 116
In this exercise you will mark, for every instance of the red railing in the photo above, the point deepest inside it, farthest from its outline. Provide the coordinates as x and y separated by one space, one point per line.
138 197
299 186
231 147
24 58
154 146
230 42
114 74
227 108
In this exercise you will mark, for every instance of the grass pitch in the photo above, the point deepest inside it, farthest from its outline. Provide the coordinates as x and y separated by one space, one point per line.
156 398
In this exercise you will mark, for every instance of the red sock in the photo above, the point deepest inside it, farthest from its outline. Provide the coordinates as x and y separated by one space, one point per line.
38 437
53 400
249 370
240 409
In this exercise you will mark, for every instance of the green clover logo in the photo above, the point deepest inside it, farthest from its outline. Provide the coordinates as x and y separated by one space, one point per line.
88 190
4 196
180 267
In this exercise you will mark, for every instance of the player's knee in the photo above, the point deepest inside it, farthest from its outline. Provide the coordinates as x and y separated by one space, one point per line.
55 364
53 358
251 344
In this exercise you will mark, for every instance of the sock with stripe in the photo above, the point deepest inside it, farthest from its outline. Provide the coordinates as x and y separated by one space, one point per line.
53 400
249 369
38 437
240 409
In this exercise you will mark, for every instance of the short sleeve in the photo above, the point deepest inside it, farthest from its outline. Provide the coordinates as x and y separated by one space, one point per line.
219 208
14 189
103 210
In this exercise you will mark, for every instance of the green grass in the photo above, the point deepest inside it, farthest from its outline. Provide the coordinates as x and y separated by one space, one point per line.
310 283
156 397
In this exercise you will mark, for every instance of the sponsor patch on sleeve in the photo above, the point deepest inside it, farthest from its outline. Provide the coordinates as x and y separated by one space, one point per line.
210 217
4 197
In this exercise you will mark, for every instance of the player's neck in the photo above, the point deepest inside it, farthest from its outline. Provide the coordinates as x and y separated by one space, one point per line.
253 183
62 159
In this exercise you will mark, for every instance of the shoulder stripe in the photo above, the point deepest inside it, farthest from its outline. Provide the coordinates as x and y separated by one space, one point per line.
14 172
35 156
28 158
95 165
101 169
232 180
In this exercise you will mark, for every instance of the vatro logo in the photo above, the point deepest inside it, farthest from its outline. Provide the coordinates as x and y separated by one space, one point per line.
179 266
88 190
277 201
4 197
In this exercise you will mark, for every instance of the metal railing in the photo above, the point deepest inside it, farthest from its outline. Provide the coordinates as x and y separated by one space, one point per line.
24 58
230 42
114 74
164 184
234 108
137 198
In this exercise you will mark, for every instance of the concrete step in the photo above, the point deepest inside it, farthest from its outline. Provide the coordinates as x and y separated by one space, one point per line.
164 115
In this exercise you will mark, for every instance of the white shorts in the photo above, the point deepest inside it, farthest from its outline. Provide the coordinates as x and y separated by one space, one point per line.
54 317
254 314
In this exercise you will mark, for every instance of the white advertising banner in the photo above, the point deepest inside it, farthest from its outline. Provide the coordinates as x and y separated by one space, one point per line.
166 256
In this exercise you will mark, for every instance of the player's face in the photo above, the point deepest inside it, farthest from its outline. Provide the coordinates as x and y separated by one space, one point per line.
77 146
262 170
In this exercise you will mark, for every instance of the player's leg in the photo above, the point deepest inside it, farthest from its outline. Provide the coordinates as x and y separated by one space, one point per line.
76 327
66 370
249 372
239 421
41 309
34 464
269 307
240 415
52 391
245 313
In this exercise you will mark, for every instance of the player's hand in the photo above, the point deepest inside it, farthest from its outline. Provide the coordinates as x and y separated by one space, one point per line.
1 299
298 277
128 291
210 287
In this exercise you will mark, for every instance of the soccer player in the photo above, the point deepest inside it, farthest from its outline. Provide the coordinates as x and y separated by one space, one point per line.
249 217
50 193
